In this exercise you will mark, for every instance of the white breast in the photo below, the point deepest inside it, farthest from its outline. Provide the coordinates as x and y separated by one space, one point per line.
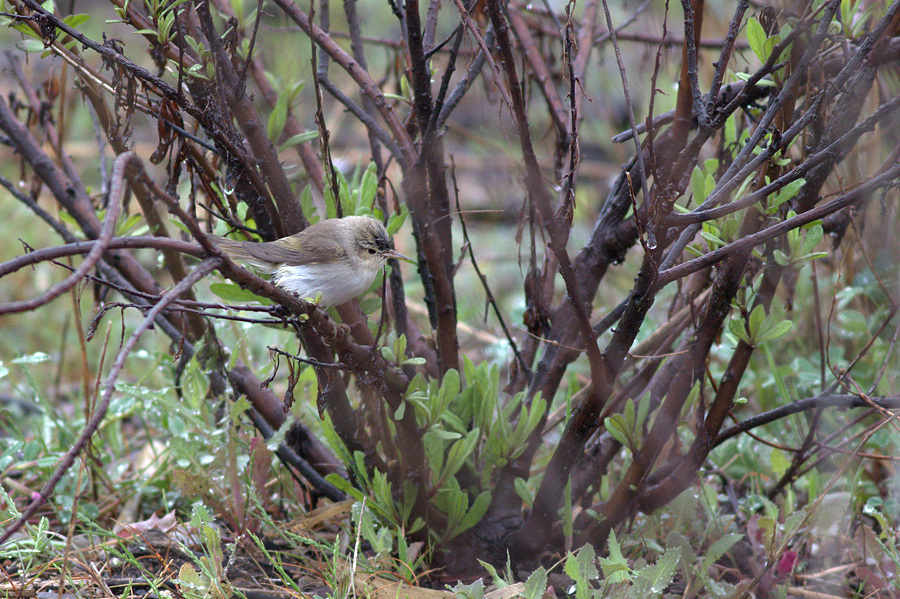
337 282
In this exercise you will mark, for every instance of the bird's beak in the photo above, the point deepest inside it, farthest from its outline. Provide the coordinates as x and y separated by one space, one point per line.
397 255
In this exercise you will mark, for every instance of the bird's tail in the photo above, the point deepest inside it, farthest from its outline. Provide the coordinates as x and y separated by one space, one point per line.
236 250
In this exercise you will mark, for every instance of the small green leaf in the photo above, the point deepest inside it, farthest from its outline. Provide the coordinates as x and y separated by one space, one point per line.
400 411
580 568
698 185
128 224
368 186
35 358
278 117
713 240
30 45
652 580
299 138
396 221
524 493
779 463
445 435
536 585
74 21
754 323
718 549
737 328
615 424
776 331
232 293
756 37
475 513
615 567
811 239
781 258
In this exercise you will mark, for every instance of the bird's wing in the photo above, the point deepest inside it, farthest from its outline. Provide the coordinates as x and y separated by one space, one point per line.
297 249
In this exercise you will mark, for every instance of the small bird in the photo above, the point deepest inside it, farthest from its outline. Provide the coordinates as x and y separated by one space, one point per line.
335 259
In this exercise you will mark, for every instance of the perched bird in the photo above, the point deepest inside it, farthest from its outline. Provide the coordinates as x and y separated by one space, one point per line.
337 258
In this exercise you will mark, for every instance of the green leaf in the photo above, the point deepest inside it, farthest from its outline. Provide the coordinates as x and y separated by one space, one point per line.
781 258
767 525
35 358
400 345
765 82
25 29
698 185
754 323
536 585
448 391
475 513
469 591
615 567
404 88
128 224
459 452
232 293
296 140
445 435
74 21
615 424
580 568
628 413
410 492
278 117
400 411
784 194
776 331
718 549
30 45
524 493
812 238
713 240
652 580
194 384
368 305
779 462
368 186
348 203
396 221
434 452
769 46
756 37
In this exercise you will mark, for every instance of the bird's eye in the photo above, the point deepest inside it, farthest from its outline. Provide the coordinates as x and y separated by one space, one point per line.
372 251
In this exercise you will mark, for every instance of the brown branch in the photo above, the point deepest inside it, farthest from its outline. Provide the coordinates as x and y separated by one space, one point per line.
688 89
541 73
429 203
83 247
